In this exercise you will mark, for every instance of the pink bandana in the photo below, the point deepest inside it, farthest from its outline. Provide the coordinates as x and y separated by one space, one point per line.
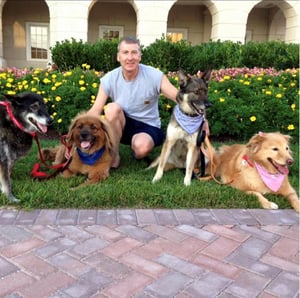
272 181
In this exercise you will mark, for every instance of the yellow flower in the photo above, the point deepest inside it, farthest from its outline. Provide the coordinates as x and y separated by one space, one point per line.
259 78
8 85
246 83
54 114
59 120
95 85
81 82
82 89
252 118
10 80
278 95
268 92
229 90
46 81
222 99
226 77
93 97
57 84
291 127
53 88
33 89
216 91
10 92
293 84
68 73
54 76
293 107
168 107
58 98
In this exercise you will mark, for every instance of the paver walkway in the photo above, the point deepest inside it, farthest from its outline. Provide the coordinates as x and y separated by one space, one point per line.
149 253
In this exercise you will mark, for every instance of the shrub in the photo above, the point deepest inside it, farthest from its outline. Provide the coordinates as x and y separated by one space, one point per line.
275 54
244 101
168 56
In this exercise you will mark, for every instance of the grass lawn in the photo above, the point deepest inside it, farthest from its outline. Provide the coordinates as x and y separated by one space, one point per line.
130 187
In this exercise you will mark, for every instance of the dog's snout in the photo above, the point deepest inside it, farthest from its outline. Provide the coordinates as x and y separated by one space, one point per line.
49 121
290 161
208 104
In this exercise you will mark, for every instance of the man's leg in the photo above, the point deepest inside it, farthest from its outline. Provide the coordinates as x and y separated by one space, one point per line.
115 116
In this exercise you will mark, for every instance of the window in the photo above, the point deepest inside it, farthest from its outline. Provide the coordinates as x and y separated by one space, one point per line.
177 34
37 41
111 32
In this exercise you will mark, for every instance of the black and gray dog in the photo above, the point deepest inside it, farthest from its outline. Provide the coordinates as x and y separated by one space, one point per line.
21 117
180 148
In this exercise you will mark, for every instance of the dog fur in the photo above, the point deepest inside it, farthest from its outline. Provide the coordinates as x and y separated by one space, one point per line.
180 147
87 134
236 165
30 111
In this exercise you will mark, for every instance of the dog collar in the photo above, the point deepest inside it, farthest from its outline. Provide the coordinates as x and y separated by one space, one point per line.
272 181
90 159
189 123
14 119
246 161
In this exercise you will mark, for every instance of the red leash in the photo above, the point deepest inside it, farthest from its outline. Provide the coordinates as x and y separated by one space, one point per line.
40 175
35 173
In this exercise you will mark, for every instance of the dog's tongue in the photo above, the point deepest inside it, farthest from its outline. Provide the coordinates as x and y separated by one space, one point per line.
42 127
85 145
283 170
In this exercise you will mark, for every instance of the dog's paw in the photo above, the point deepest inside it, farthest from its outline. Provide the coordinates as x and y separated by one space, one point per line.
187 181
273 206
13 199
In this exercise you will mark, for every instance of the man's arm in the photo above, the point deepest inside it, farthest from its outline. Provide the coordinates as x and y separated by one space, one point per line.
99 103
168 89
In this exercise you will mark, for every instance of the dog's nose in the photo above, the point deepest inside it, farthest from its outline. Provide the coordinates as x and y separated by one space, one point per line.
290 161
49 121
208 104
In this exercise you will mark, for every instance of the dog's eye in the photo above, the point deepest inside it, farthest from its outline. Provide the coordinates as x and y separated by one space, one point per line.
80 126
34 107
287 148
94 126
275 149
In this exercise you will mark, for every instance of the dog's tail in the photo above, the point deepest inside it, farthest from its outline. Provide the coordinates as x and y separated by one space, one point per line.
154 163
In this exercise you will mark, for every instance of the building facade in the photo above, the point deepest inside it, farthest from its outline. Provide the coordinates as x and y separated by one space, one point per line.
30 28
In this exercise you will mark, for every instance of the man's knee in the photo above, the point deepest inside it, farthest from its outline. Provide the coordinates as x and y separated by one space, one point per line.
142 145
113 111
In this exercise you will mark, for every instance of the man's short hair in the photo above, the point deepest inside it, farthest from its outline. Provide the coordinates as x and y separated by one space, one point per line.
129 40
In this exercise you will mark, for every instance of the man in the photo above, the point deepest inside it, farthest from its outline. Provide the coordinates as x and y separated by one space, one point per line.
134 89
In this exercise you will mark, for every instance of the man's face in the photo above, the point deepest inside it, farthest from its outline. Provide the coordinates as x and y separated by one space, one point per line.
129 56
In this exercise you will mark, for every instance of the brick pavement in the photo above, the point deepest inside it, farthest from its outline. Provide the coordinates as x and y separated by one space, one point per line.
149 253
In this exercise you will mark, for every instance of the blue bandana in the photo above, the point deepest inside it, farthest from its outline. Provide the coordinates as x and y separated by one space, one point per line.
188 123
90 159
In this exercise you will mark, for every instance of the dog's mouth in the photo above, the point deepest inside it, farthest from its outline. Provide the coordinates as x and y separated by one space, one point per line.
199 110
86 145
283 169
39 126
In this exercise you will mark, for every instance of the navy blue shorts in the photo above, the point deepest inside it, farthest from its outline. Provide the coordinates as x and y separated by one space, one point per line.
133 127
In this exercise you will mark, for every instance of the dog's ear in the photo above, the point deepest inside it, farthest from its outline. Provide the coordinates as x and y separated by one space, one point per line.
254 143
182 78
109 135
70 136
205 75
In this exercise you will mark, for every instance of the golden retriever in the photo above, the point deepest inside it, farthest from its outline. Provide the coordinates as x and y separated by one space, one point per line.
259 167
91 144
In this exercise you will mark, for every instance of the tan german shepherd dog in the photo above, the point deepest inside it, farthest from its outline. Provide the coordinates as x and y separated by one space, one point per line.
180 147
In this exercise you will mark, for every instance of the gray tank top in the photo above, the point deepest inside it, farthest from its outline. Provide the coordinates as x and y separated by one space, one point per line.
138 98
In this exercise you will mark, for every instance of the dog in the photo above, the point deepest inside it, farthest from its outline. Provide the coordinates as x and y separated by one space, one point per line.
259 167
21 117
180 148
91 145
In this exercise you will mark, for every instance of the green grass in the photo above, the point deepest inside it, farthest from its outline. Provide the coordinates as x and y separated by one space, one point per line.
130 187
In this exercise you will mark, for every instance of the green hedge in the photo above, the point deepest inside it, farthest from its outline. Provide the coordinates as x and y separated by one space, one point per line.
169 56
